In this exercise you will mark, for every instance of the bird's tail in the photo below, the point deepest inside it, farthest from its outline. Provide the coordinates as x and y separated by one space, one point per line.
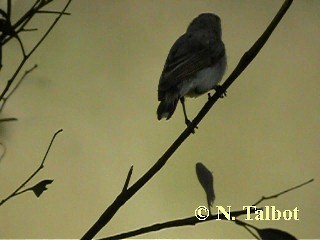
166 108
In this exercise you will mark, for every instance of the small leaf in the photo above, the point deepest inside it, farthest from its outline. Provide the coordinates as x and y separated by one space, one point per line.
205 178
40 187
274 234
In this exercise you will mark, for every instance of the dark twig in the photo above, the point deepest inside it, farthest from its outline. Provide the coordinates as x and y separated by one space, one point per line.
9 9
246 59
53 12
21 45
3 150
190 221
10 81
245 225
17 191
8 119
23 21
5 99
29 29
263 198
126 184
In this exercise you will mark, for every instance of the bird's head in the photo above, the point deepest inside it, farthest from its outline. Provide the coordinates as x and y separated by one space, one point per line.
205 21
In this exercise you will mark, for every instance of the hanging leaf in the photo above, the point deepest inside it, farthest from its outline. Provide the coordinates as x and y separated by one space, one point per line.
274 234
40 187
205 178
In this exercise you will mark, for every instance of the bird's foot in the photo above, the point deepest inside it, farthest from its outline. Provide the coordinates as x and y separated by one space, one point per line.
189 124
219 89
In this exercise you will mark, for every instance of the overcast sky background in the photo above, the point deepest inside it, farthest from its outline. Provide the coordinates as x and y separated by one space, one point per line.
97 79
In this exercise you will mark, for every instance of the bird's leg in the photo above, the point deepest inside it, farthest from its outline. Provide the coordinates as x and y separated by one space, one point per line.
186 120
220 90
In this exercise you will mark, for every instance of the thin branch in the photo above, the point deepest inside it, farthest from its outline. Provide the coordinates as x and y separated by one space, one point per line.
263 198
21 79
190 221
50 28
16 192
124 196
10 81
29 29
53 12
246 226
3 151
21 45
22 191
186 221
9 9
252 233
24 19
4 14
126 184
5 99
8 119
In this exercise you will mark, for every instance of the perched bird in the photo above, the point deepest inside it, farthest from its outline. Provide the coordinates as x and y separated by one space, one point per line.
195 65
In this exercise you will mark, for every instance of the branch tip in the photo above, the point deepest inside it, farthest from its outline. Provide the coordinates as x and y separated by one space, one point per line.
41 166
263 198
126 184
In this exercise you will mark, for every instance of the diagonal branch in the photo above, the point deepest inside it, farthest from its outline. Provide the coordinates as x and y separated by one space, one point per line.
246 226
5 99
10 81
16 192
126 184
193 220
190 221
3 152
8 119
23 21
246 59
263 198
52 12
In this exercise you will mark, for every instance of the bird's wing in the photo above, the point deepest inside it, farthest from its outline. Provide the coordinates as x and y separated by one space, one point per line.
188 55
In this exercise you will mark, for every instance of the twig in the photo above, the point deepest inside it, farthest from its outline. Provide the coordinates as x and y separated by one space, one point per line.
9 9
16 192
245 225
4 14
29 29
53 12
3 151
190 221
126 184
5 99
8 119
10 81
124 196
21 45
23 21
263 198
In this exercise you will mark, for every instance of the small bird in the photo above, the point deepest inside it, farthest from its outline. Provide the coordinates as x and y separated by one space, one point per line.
195 65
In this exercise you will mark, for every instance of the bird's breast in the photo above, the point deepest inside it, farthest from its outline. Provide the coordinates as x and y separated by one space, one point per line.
204 80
